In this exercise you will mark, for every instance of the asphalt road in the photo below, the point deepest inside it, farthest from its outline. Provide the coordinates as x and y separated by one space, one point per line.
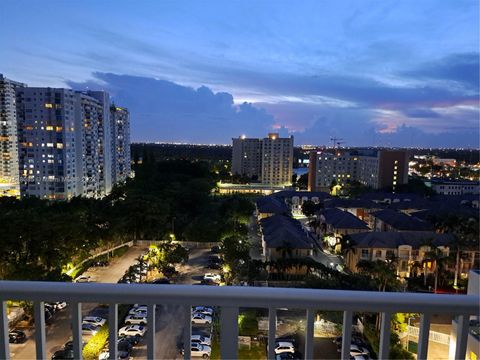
59 330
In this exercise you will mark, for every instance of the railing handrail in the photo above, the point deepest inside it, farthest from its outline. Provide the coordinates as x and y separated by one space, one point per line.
243 296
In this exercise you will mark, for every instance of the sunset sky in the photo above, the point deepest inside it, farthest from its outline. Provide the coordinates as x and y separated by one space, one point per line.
396 73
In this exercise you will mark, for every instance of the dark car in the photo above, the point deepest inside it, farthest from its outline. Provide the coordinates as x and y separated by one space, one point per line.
101 263
215 250
214 265
69 345
287 356
215 258
65 354
16 336
161 281
124 345
133 340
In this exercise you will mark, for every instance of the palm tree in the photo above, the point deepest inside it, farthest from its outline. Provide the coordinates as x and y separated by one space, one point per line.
438 260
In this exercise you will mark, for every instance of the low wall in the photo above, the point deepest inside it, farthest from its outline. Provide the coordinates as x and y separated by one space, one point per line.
188 244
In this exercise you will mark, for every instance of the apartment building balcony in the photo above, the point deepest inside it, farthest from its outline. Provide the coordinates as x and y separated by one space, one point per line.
229 300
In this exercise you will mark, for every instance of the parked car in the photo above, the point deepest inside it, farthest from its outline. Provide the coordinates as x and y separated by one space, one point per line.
358 350
136 320
163 281
59 305
16 336
212 277
287 356
132 339
283 347
89 329
121 355
214 265
138 310
198 318
64 354
203 310
83 279
124 345
200 339
132 330
360 357
215 250
199 350
95 320
69 345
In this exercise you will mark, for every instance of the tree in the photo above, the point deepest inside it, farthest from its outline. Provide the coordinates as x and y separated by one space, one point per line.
309 208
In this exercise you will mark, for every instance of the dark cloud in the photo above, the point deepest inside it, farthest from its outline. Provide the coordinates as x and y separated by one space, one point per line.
461 68
421 113
165 111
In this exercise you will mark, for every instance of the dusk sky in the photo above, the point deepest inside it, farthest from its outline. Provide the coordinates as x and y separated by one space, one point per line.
395 73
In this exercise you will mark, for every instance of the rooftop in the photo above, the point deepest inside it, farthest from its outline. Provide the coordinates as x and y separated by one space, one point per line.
394 239
401 221
284 232
271 205
340 219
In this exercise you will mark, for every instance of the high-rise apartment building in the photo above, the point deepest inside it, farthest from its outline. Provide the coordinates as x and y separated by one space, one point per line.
270 160
70 143
9 175
374 168
47 147
120 119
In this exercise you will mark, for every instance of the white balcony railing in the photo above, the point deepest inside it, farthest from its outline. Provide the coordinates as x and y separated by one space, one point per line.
229 299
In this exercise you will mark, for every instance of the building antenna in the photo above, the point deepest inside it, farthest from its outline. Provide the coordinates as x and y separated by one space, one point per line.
336 141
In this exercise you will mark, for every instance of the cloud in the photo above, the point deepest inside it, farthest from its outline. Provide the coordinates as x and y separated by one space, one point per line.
463 68
164 111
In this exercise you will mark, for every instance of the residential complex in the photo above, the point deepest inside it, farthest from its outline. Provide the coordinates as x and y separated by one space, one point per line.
370 167
454 187
9 176
269 160
60 143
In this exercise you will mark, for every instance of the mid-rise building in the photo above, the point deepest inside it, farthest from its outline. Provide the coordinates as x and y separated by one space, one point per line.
247 157
374 168
453 187
9 175
120 119
270 160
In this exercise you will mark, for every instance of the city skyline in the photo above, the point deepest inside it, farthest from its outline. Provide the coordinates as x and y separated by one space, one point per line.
375 75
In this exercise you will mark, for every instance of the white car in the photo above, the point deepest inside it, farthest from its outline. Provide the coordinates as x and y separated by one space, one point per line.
284 347
132 330
140 311
198 318
200 339
136 320
83 279
95 320
205 310
199 350
360 357
358 350
212 277
60 305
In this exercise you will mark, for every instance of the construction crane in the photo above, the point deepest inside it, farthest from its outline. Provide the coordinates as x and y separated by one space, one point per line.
336 141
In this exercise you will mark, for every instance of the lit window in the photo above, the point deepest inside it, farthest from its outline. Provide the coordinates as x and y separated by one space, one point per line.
48 106
49 128
49 144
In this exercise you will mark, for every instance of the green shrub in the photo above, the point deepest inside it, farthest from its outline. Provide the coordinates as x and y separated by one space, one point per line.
248 324
95 345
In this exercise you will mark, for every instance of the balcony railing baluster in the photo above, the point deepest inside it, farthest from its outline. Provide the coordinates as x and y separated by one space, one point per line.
151 308
346 334
113 331
423 337
40 338
4 345
462 336
272 329
76 313
188 332
309 334
385 326
229 332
